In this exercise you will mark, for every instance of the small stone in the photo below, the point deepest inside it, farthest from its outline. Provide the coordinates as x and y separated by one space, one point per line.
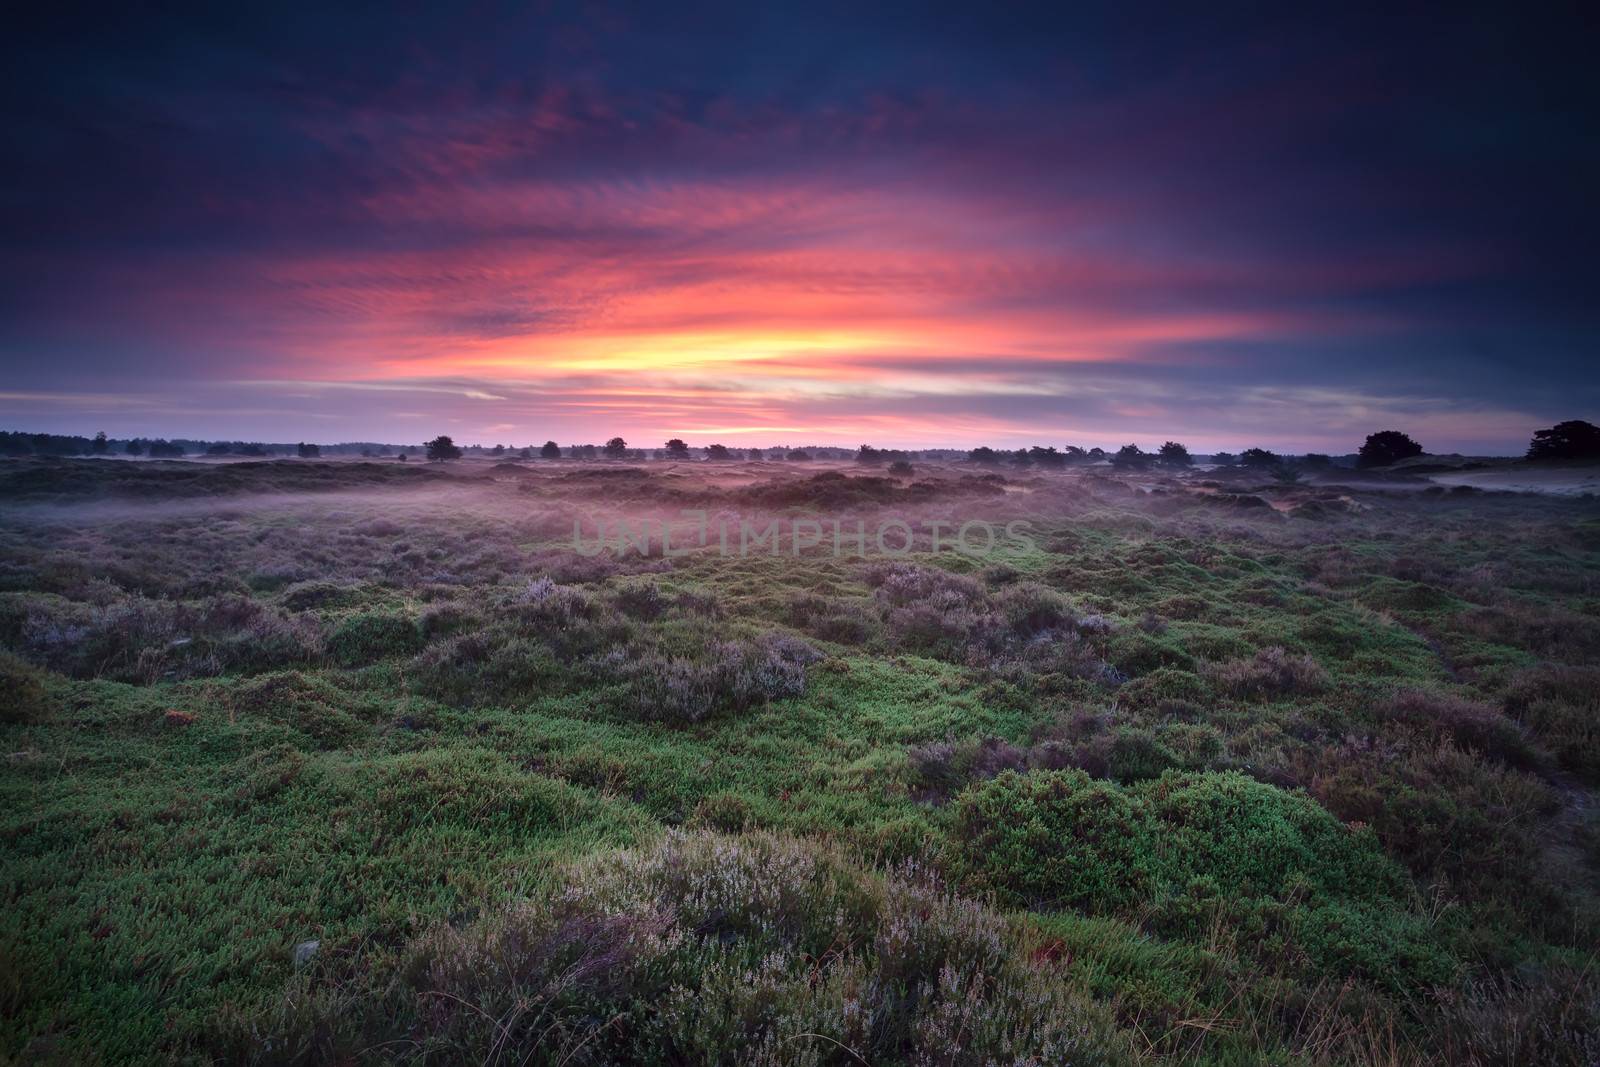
304 951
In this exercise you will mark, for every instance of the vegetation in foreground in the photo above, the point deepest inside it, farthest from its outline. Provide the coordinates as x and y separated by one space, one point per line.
332 762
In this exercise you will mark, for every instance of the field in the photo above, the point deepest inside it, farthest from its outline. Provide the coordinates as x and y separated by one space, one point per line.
327 762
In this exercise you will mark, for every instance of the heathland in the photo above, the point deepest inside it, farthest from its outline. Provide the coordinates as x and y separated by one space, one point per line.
326 762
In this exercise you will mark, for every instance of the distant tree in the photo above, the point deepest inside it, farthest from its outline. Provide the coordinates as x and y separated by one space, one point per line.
100 446
551 450
1132 457
616 448
1097 453
498 450
1258 457
1386 447
1047 457
1172 454
163 449
402 457
799 455
441 448
901 469
676 449
718 452
305 451
583 452
1573 439
134 448
869 456
1076 455
254 448
1019 458
221 448
985 455
1316 461
1224 459
526 453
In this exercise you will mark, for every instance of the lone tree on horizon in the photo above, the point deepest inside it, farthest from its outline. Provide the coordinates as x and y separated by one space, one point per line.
1386 447
1132 456
1258 457
305 451
442 448
551 450
1175 455
676 449
616 448
717 452
1573 439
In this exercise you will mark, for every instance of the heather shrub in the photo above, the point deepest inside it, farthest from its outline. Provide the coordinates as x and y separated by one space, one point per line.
831 619
1541 1014
1271 674
705 949
1560 706
724 676
1161 689
1472 726
362 639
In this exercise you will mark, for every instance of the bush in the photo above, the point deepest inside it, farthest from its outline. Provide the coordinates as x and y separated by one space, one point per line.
726 676
1055 839
1560 707
1270 675
705 949
22 695
362 639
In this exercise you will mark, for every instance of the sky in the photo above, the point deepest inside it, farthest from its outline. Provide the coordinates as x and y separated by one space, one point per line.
757 224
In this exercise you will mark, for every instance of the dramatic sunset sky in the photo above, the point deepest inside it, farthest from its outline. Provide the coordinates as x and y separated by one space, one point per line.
811 223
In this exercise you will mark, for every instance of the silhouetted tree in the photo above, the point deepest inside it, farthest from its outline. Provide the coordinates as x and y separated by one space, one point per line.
616 448
1224 459
799 455
1076 455
100 446
1132 457
868 455
163 449
901 469
498 450
1258 457
717 452
1386 447
985 455
551 450
1020 458
1097 453
1573 439
402 457
442 448
526 453
1047 457
1316 461
306 451
676 449
1172 454
134 448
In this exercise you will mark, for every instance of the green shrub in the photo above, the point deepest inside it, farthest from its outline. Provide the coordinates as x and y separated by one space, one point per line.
1055 839
22 694
362 639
